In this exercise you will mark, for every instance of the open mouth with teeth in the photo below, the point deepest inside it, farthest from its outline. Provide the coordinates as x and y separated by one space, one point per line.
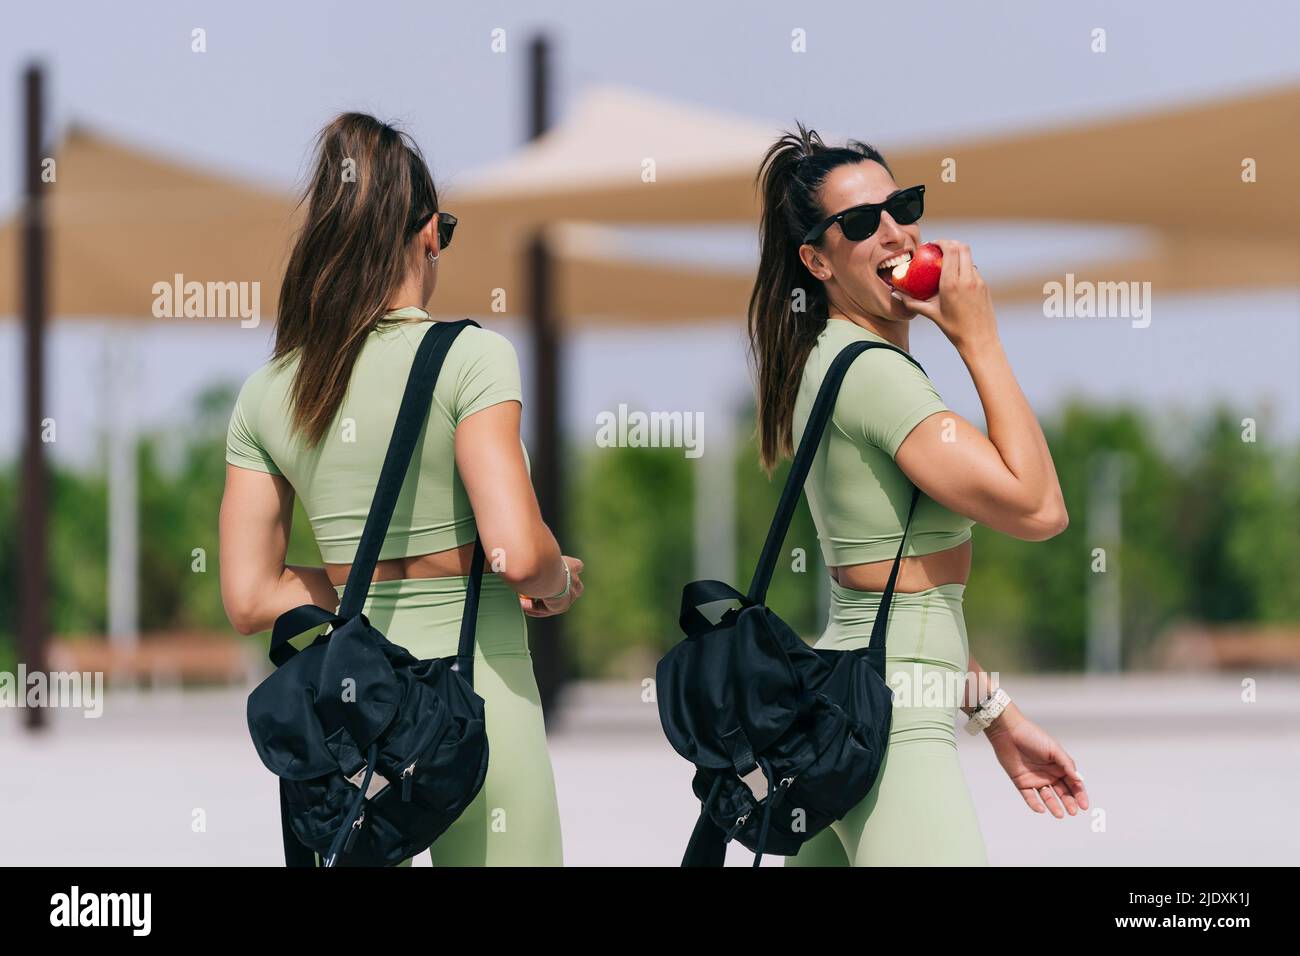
893 268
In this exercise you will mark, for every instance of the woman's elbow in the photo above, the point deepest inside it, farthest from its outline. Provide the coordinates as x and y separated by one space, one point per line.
518 564
1046 523
242 612
522 561
243 622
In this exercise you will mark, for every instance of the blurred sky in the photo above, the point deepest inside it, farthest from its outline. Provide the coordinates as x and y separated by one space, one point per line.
893 74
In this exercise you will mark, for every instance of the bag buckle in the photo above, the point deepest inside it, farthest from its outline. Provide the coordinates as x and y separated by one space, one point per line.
378 782
756 780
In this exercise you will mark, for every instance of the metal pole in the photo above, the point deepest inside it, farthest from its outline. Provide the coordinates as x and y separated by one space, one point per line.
1105 521
123 499
715 500
33 618
549 659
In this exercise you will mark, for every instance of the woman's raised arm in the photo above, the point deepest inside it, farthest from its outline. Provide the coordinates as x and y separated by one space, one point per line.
1007 479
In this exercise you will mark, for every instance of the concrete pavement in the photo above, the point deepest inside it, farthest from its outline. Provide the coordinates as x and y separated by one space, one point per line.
1181 770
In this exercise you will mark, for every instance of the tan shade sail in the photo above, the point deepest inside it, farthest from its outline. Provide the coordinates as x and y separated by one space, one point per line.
1176 263
121 219
1179 168
626 156
1184 172
598 280
1176 168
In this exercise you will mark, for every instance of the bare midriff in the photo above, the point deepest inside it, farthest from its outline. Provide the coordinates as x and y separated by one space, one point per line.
451 563
951 566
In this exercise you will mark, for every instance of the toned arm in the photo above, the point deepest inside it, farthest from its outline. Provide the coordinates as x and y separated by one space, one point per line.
1007 479
256 517
487 408
519 545
256 585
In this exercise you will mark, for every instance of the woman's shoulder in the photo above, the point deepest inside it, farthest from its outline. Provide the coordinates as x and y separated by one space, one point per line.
474 350
884 393
268 379
874 369
483 370
884 367
480 354
257 418
478 342
473 346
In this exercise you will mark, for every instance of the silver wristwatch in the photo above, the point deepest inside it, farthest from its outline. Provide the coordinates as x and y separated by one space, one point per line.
568 580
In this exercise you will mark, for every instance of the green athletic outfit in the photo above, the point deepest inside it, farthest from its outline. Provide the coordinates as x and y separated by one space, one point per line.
919 812
515 819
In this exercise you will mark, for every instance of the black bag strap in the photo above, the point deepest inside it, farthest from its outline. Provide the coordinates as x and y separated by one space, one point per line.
700 594
411 415
294 622
823 406
875 652
469 619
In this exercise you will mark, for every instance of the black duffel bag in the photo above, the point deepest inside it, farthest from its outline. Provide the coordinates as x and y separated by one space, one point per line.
785 738
377 752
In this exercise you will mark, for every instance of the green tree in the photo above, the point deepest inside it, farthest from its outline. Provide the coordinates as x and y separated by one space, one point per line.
633 529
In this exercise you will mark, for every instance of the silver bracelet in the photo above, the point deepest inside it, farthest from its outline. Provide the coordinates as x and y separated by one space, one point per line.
988 711
568 580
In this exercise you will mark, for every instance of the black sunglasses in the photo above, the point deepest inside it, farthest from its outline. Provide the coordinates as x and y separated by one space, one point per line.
446 226
860 222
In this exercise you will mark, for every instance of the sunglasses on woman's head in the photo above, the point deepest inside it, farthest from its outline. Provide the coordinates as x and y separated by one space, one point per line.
861 222
446 226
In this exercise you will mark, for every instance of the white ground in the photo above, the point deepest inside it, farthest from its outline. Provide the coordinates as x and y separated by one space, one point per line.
1184 770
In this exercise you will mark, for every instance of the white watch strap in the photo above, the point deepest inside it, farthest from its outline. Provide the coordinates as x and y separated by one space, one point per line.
988 711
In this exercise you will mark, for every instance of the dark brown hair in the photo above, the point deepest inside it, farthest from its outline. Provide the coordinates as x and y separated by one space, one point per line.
780 334
370 192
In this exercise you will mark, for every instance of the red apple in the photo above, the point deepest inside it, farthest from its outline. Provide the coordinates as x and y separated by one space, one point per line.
920 277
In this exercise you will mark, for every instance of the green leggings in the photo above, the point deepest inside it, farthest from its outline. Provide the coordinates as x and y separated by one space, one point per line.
515 819
919 811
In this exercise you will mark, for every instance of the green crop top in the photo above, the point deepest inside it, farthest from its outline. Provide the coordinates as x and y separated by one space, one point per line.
857 495
335 480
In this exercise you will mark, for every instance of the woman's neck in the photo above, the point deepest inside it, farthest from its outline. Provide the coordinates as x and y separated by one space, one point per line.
399 302
892 331
410 294
419 308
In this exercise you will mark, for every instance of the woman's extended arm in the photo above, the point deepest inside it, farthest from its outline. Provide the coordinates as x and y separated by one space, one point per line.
1046 776
979 687
256 585
1006 480
519 545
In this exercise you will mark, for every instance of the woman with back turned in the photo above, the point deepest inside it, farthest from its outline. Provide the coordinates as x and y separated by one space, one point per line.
833 218
314 423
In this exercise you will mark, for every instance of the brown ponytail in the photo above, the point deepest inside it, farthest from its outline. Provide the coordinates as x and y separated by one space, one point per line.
369 194
782 331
